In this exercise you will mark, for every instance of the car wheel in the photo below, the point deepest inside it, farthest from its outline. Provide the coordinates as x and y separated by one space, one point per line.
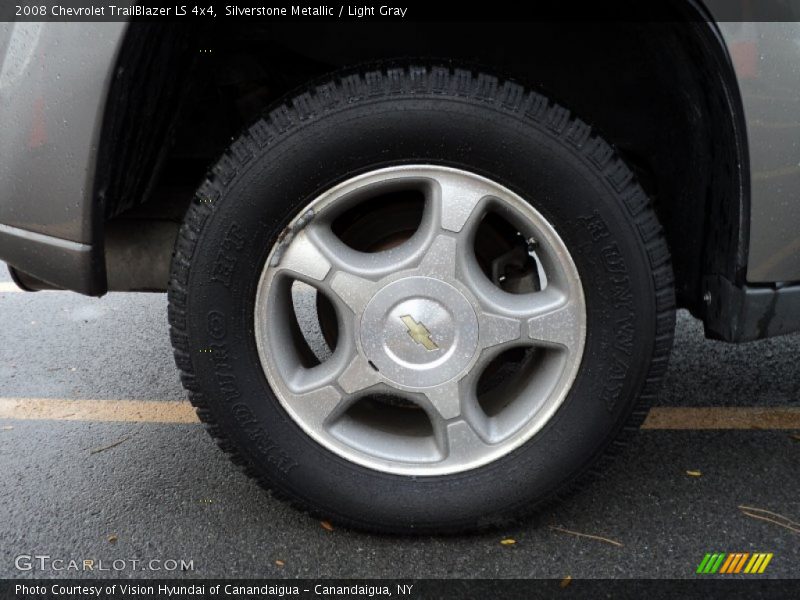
420 299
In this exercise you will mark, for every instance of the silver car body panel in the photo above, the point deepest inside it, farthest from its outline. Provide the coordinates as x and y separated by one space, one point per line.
54 79
766 58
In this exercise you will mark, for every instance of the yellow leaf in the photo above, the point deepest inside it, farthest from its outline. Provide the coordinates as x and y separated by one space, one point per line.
566 581
280 563
694 473
113 538
508 542
326 526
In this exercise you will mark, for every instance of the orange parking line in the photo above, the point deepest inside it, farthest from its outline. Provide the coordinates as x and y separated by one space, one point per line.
129 411
722 417
171 411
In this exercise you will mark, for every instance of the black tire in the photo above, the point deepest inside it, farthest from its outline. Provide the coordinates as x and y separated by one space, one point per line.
357 122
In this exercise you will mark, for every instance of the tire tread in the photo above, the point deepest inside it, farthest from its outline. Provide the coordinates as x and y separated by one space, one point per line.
505 96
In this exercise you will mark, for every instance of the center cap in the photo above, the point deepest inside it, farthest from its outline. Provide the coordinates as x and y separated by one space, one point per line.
419 332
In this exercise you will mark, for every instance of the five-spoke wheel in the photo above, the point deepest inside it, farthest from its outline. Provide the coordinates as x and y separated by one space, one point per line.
422 322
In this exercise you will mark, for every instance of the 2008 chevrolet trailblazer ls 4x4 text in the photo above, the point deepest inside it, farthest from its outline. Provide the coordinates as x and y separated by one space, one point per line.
413 294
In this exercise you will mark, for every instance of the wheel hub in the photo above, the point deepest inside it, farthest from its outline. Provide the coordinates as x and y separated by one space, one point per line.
419 332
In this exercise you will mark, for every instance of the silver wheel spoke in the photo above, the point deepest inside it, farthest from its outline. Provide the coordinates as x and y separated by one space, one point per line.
317 406
353 290
358 375
318 261
440 258
446 399
559 327
549 318
302 258
496 330
458 198
463 442
307 258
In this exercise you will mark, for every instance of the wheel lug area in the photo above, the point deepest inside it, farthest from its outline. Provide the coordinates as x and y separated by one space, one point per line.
419 332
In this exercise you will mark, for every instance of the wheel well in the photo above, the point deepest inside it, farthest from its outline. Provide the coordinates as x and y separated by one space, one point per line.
662 93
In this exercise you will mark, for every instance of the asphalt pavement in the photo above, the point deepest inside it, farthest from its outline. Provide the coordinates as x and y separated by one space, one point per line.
141 491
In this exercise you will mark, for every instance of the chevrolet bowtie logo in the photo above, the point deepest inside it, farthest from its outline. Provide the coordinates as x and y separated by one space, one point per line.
419 333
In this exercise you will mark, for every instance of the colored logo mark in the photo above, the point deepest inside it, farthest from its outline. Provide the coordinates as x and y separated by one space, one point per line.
735 562
419 333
